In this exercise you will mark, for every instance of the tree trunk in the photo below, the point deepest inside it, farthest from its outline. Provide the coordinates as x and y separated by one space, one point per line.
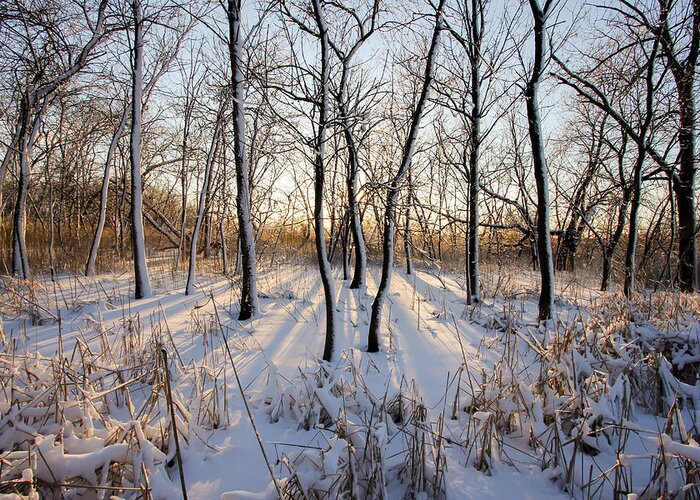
544 242
684 188
249 290
52 260
684 184
568 245
360 270
189 287
7 161
320 238
407 244
394 187
474 146
609 250
467 256
27 134
608 254
346 249
224 253
104 191
630 255
20 262
141 280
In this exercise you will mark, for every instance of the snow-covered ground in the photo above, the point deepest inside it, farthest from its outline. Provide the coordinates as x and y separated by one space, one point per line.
463 401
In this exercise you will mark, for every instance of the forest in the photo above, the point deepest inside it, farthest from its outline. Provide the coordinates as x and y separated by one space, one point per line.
349 249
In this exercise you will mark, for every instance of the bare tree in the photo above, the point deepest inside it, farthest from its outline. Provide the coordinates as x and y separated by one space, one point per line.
314 84
319 175
28 131
682 60
202 207
249 291
192 89
7 160
610 246
104 191
508 189
138 237
162 67
394 187
34 96
630 103
680 52
475 17
348 117
477 80
540 15
579 207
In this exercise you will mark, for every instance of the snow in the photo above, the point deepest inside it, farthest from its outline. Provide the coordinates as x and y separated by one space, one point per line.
454 404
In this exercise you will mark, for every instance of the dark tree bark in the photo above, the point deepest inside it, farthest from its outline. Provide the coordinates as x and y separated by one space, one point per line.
346 248
138 238
365 27
27 133
544 241
319 175
630 256
407 243
249 290
395 187
633 233
684 183
7 160
475 61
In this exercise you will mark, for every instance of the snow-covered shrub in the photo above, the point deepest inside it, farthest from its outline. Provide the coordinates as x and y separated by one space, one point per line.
571 388
74 422
362 424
